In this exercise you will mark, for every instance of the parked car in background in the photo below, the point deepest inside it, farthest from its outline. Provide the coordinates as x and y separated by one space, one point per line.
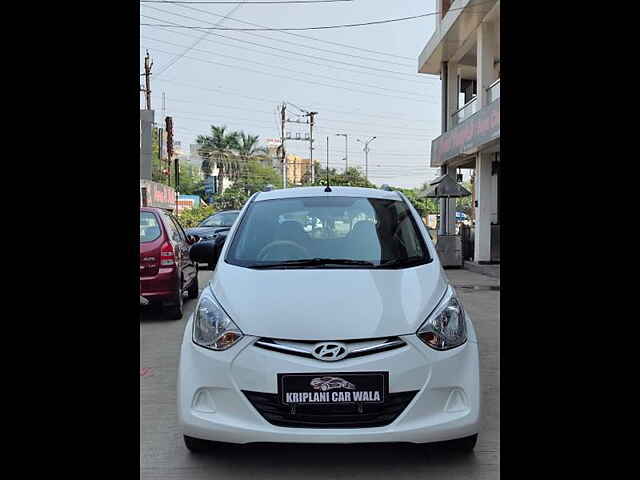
166 270
214 224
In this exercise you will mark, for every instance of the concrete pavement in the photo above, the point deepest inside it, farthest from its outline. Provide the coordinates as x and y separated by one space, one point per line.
163 455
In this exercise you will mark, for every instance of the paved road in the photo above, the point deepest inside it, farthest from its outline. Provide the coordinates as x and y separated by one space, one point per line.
163 455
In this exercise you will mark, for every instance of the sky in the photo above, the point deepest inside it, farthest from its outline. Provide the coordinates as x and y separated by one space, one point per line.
225 80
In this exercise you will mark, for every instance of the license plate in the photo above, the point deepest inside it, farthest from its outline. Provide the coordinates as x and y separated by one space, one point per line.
332 388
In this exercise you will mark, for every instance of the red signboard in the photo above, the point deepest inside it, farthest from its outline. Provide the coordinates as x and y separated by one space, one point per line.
477 130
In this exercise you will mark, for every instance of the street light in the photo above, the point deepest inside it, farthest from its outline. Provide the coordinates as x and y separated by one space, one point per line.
346 150
366 156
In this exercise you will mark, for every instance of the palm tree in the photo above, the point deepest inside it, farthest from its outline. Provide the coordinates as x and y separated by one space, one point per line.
248 146
219 148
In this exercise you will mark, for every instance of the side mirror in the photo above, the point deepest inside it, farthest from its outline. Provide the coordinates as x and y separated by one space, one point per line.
204 252
207 251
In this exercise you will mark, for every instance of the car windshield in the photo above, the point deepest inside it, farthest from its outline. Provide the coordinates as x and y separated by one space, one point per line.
149 228
334 232
224 219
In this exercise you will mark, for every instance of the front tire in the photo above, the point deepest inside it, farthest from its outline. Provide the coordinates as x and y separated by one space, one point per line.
175 311
197 445
194 289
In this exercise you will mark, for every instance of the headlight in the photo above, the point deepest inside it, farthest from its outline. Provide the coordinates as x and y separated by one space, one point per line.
446 327
212 327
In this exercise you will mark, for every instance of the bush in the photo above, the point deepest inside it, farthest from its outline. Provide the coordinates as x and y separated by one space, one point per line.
192 217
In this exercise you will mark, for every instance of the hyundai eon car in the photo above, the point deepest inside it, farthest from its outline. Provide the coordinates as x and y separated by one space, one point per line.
359 303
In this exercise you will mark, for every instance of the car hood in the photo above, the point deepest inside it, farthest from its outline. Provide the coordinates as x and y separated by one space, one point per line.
201 231
328 304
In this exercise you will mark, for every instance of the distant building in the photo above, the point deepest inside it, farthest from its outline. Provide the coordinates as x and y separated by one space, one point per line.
297 169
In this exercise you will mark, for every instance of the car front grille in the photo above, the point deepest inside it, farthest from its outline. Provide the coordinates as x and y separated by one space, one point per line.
304 348
350 415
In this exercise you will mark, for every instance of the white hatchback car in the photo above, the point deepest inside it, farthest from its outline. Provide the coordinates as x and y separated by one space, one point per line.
361 301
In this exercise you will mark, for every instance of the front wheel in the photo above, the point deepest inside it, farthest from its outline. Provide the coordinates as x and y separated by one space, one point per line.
175 310
196 445
193 289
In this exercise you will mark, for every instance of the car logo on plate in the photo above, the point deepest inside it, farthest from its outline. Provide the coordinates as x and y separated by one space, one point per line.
330 351
329 383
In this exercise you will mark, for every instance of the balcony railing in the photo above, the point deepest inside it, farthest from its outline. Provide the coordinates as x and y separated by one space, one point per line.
493 91
465 111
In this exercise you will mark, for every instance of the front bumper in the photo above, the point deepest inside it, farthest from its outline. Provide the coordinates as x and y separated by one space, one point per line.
212 406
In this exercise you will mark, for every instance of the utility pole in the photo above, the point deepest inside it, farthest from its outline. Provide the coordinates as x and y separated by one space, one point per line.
311 116
366 156
346 150
283 110
148 63
169 130
327 160
307 137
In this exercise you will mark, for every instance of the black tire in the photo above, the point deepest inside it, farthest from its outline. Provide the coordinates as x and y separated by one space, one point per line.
466 444
175 310
197 445
194 289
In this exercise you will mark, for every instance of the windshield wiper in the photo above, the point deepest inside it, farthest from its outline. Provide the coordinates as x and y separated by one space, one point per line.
313 262
402 262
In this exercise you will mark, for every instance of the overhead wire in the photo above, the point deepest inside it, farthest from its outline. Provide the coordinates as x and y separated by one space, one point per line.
281 68
322 27
386 61
362 92
414 77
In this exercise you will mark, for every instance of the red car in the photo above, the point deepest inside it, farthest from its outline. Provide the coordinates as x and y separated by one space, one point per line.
166 271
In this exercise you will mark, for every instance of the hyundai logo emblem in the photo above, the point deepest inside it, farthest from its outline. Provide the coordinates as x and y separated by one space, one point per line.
330 351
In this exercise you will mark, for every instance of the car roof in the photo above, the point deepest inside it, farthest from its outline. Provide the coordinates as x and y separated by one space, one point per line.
335 192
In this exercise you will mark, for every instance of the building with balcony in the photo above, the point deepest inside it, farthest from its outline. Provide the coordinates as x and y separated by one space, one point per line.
465 52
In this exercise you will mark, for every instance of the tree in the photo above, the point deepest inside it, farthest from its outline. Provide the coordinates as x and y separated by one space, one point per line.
233 198
257 176
248 146
219 148
190 182
352 178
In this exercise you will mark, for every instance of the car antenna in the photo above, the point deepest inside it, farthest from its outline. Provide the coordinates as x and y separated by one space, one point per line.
328 188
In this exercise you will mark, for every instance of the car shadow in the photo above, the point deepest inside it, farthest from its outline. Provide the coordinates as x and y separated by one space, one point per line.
317 461
154 313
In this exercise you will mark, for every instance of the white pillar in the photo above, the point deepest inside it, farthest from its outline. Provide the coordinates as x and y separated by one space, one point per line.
486 55
451 208
494 194
453 91
483 188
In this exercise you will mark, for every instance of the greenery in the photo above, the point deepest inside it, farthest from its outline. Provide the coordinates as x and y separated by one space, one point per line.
192 217
236 154
351 178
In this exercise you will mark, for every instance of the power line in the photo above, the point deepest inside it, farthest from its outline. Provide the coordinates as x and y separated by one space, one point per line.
254 3
415 78
253 110
178 57
323 129
299 35
323 27
384 115
296 79
280 68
